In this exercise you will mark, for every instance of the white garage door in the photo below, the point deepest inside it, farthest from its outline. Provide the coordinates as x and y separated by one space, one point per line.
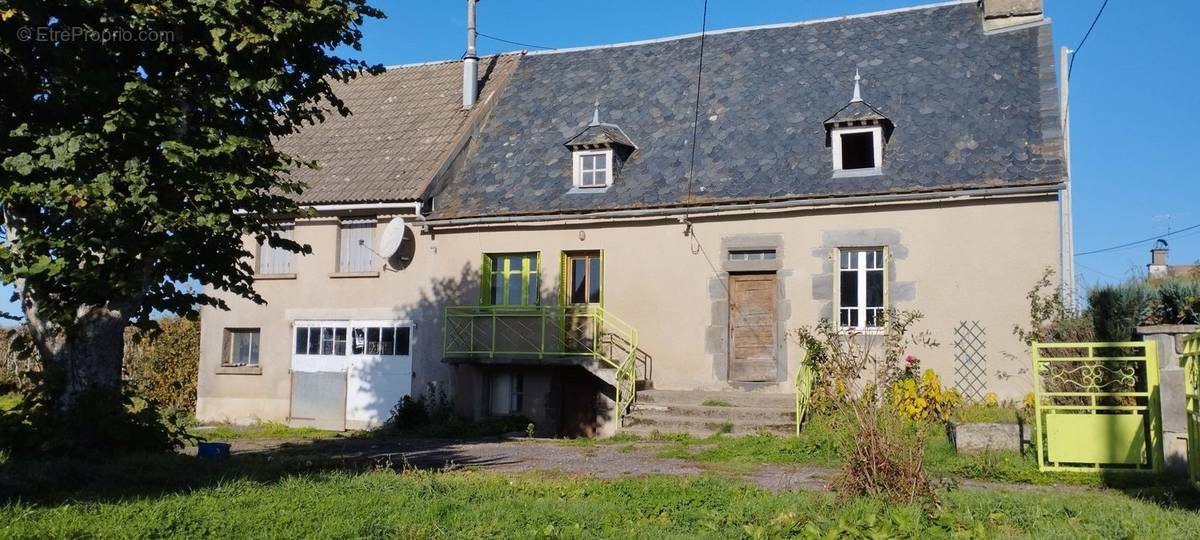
374 358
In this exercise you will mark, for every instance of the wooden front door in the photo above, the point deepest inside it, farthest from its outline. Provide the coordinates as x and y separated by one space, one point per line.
752 328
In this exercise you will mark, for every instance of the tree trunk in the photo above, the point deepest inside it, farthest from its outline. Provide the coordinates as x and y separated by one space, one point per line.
85 358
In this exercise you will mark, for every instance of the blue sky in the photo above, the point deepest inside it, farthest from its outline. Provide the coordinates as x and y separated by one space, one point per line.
1132 169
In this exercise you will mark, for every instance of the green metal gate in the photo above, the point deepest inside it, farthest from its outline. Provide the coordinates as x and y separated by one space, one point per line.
1097 406
1190 358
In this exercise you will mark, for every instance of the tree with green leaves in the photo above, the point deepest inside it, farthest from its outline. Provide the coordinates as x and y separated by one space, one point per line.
136 150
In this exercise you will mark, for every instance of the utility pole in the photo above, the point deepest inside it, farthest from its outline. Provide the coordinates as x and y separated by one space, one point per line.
1067 241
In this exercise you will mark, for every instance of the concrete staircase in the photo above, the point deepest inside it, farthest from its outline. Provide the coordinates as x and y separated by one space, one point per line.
681 411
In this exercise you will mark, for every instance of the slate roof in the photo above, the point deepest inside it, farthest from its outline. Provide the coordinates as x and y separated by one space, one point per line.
971 110
600 134
856 111
404 124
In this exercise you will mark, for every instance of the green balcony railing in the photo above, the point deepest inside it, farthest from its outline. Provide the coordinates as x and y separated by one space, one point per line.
578 331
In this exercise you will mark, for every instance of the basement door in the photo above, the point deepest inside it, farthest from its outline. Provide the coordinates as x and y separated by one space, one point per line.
752 328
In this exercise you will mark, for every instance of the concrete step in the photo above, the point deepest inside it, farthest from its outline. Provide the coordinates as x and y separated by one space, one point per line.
735 398
732 414
648 424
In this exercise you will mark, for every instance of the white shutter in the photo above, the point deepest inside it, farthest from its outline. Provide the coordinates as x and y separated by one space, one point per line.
357 239
276 260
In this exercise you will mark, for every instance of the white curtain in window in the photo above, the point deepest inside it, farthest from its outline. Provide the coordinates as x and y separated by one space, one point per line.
357 239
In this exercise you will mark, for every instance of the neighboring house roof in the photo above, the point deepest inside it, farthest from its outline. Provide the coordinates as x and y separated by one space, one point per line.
404 126
970 110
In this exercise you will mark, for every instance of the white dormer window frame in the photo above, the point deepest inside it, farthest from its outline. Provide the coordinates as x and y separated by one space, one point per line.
587 181
876 141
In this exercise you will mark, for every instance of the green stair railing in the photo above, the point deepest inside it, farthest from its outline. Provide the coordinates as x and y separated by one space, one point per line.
579 331
805 379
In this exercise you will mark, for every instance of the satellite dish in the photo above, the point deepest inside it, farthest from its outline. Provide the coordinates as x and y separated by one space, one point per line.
392 237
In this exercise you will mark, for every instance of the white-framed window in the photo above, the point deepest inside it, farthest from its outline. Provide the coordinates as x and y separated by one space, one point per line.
506 394
241 349
356 338
858 149
861 288
276 260
751 254
356 239
593 169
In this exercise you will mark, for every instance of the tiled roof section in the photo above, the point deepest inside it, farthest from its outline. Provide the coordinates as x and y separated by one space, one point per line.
971 110
600 134
403 126
856 111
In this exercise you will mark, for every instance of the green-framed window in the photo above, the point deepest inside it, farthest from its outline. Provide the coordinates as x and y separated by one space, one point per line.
511 279
582 277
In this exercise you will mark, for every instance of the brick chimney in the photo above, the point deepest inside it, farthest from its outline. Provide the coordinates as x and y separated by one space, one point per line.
1158 261
1001 14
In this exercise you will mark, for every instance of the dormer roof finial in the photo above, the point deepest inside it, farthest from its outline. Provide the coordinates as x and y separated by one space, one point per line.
596 114
857 92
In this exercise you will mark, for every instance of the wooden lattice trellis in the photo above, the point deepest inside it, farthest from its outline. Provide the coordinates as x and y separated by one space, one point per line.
970 360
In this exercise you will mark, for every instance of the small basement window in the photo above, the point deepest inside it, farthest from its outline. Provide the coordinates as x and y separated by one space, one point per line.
752 255
858 149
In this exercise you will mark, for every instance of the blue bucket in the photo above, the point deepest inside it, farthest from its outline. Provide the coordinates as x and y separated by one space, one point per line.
212 450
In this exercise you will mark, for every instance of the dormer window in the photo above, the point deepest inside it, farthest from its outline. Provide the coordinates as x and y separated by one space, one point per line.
593 169
857 148
597 154
857 134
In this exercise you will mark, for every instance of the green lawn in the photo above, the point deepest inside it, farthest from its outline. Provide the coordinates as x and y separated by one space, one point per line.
262 430
465 504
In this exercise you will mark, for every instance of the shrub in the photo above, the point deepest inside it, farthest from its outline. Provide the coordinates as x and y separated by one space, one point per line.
1118 309
1049 319
1177 301
163 366
103 423
884 455
924 399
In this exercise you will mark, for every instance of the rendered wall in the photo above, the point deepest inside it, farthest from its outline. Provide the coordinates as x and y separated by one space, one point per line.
954 261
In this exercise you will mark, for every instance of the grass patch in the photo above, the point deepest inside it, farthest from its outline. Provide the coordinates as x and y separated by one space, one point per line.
716 403
263 430
466 504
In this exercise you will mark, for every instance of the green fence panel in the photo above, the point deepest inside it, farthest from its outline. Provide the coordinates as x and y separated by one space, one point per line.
1190 358
1097 406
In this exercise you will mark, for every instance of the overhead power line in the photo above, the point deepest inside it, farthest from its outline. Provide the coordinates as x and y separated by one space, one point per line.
696 108
1071 64
510 42
1136 242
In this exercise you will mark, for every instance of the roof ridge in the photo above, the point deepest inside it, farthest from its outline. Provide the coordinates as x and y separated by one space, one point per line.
738 29
452 61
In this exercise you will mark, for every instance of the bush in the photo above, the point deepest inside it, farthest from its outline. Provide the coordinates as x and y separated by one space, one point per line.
1177 301
884 455
163 366
924 399
1049 319
103 423
1117 310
